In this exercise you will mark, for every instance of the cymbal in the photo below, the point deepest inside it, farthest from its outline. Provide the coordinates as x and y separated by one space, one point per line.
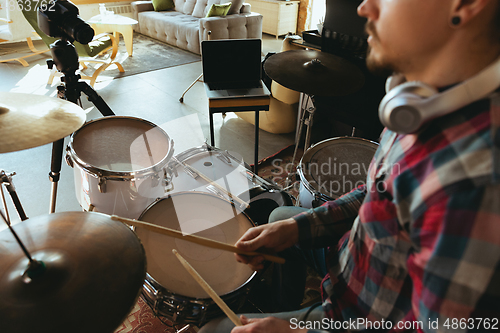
28 120
95 268
314 72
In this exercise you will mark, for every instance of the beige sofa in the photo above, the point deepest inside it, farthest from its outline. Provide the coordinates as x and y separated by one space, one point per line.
186 26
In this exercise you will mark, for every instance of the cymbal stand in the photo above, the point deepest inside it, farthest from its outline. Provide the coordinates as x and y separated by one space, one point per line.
35 267
65 58
307 117
6 179
6 210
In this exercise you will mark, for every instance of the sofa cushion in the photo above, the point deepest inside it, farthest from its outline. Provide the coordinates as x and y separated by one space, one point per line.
219 10
185 6
160 5
235 7
173 28
199 8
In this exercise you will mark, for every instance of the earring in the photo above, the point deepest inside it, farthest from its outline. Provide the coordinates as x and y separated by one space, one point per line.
455 21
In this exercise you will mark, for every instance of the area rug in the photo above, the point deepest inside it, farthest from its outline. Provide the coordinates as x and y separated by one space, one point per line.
149 54
142 320
276 168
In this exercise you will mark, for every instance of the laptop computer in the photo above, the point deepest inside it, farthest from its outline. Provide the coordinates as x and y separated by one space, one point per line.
232 68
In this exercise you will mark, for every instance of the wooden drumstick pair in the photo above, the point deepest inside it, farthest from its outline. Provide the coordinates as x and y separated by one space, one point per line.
201 241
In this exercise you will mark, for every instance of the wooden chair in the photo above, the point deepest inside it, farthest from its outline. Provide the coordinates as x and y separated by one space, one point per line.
87 53
17 29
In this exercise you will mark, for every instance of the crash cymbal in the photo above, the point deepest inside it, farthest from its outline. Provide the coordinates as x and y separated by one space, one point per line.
28 120
314 73
95 268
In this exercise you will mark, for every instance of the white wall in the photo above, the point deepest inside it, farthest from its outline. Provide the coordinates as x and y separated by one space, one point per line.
87 11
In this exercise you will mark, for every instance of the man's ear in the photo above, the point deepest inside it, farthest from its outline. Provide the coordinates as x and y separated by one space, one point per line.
466 10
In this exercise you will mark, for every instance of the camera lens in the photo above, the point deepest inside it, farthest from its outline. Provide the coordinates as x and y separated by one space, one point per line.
62 20
79 30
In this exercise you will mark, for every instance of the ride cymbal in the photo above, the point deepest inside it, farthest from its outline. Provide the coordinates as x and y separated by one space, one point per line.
28 120
94 271
314 73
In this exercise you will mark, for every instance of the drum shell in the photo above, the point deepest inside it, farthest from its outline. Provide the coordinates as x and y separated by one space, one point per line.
351 151
188 310
231 174
124 193
175 305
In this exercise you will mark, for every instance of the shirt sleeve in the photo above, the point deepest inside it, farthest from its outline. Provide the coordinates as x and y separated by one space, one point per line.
325 225
455 267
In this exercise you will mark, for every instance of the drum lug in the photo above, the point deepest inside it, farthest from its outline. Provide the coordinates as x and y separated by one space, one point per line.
68 159
167 181
155 180
102 184
179 309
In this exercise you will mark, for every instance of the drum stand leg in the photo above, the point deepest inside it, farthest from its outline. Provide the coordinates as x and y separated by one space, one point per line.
306 119
70 90
6 179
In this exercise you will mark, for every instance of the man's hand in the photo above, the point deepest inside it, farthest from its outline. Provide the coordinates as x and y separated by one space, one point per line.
272 237
264 325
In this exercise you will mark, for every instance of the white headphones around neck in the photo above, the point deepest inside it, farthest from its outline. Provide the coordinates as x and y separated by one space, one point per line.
408 105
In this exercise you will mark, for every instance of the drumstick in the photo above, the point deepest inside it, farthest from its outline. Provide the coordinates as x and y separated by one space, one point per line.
222 305
211 182
196 239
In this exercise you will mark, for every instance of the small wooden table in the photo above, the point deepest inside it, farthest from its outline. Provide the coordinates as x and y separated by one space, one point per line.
223 105
115 24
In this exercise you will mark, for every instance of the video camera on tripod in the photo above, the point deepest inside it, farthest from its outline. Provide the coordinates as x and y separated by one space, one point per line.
61 20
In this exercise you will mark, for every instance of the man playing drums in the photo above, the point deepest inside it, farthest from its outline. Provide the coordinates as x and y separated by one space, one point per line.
423 252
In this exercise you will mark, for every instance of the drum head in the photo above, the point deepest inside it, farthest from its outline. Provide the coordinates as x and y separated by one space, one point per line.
336 166
121 144
200 214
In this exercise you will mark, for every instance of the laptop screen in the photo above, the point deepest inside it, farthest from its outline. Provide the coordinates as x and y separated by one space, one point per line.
231 60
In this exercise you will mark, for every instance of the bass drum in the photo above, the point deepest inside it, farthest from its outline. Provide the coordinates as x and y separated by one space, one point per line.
333 167
169 289
231 174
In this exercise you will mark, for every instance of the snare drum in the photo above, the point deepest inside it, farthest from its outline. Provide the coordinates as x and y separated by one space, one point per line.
169 289
119 164
333 167
230 173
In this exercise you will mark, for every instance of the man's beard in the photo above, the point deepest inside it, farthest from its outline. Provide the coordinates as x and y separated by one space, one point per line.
377 67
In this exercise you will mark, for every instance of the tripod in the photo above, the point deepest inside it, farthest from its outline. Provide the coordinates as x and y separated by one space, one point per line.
65 58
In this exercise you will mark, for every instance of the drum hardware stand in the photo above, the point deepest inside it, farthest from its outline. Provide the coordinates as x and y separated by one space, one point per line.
198 79
65 58
6 179
35 267
307 118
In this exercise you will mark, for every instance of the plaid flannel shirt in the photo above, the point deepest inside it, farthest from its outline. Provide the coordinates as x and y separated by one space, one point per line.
423 253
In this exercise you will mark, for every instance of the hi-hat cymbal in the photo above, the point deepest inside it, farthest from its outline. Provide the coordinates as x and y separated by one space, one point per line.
28 120
95 268
314 73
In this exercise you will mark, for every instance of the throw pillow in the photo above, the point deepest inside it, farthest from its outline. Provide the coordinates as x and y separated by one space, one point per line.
160 5
219 10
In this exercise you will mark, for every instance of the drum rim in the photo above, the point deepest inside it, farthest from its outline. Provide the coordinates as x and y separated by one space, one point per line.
305 176
99 172
168 196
